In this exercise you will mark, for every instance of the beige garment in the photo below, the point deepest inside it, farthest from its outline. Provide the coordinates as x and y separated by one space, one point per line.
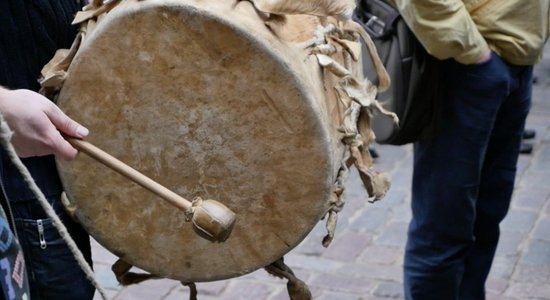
463 29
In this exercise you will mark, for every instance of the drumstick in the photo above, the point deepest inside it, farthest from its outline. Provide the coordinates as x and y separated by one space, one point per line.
210 217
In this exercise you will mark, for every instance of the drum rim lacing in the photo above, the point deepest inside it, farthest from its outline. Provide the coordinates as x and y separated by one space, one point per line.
360 99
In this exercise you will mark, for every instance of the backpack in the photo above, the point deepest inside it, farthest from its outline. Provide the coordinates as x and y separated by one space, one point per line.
413 93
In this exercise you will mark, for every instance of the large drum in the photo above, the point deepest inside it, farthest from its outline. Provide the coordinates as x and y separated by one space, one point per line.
212 99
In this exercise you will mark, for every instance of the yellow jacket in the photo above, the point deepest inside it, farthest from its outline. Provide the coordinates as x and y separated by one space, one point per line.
463 29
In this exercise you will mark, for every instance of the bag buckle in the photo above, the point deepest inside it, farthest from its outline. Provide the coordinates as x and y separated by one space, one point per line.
376 25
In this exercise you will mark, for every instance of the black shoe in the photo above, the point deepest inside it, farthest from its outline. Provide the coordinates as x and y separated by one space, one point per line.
529 134
526 148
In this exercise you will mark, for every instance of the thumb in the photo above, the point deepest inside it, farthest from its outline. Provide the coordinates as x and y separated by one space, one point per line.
65 124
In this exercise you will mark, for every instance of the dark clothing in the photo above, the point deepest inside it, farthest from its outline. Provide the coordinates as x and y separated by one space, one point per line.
463 180
13 275
55 274
30 33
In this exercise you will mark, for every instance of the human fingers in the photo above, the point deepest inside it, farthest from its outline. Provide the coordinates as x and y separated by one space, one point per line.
485 58
61 148
65 124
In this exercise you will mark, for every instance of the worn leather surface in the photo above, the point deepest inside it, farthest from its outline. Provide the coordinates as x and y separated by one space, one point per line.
336 8
204 98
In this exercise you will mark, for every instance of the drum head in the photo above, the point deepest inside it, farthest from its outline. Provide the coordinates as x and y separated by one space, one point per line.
207 110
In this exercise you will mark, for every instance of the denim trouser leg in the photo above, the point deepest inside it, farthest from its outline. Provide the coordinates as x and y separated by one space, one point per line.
52 268
497 184
463 180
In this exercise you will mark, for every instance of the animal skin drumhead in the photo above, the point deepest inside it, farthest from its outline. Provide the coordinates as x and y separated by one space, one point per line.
192 99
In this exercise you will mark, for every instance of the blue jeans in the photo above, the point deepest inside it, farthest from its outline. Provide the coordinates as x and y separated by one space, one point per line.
52 269
463 180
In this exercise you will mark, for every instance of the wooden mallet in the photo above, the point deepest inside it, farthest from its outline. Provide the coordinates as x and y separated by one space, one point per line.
211 219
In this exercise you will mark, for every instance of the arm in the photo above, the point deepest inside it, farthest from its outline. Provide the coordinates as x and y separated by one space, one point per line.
446 29
36 123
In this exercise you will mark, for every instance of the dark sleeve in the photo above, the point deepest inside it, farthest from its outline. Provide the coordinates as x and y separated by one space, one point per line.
30 33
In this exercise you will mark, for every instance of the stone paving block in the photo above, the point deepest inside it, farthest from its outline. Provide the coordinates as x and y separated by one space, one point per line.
401 178
343 283
523 164
381 255
529 291
519 221
385 166
354 188
100 254
542 229
355 205
533 198
391 159
214 288
540 91
371 220
353 181
401 155
312 263
249 290
493 296
525 273
151 289
496 285
395 234
106 278
266 278
392 153
376 272
111 294
542 160
282 294
391 290
393 198
181 294
503 267
406 163
509 244
402 212
312 244
348 246
532 179
263 276
545 136
340 296
543 105
538 253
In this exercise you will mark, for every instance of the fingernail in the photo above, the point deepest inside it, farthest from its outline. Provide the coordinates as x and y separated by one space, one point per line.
82 131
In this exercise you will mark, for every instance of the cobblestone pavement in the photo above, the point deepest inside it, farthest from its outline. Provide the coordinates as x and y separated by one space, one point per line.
365 260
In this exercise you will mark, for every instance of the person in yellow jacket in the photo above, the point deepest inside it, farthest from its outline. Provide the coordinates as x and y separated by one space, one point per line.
463 179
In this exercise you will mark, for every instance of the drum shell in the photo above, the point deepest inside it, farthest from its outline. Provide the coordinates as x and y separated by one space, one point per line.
203 97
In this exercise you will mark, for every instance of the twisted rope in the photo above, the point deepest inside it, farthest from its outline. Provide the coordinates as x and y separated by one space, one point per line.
5 137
